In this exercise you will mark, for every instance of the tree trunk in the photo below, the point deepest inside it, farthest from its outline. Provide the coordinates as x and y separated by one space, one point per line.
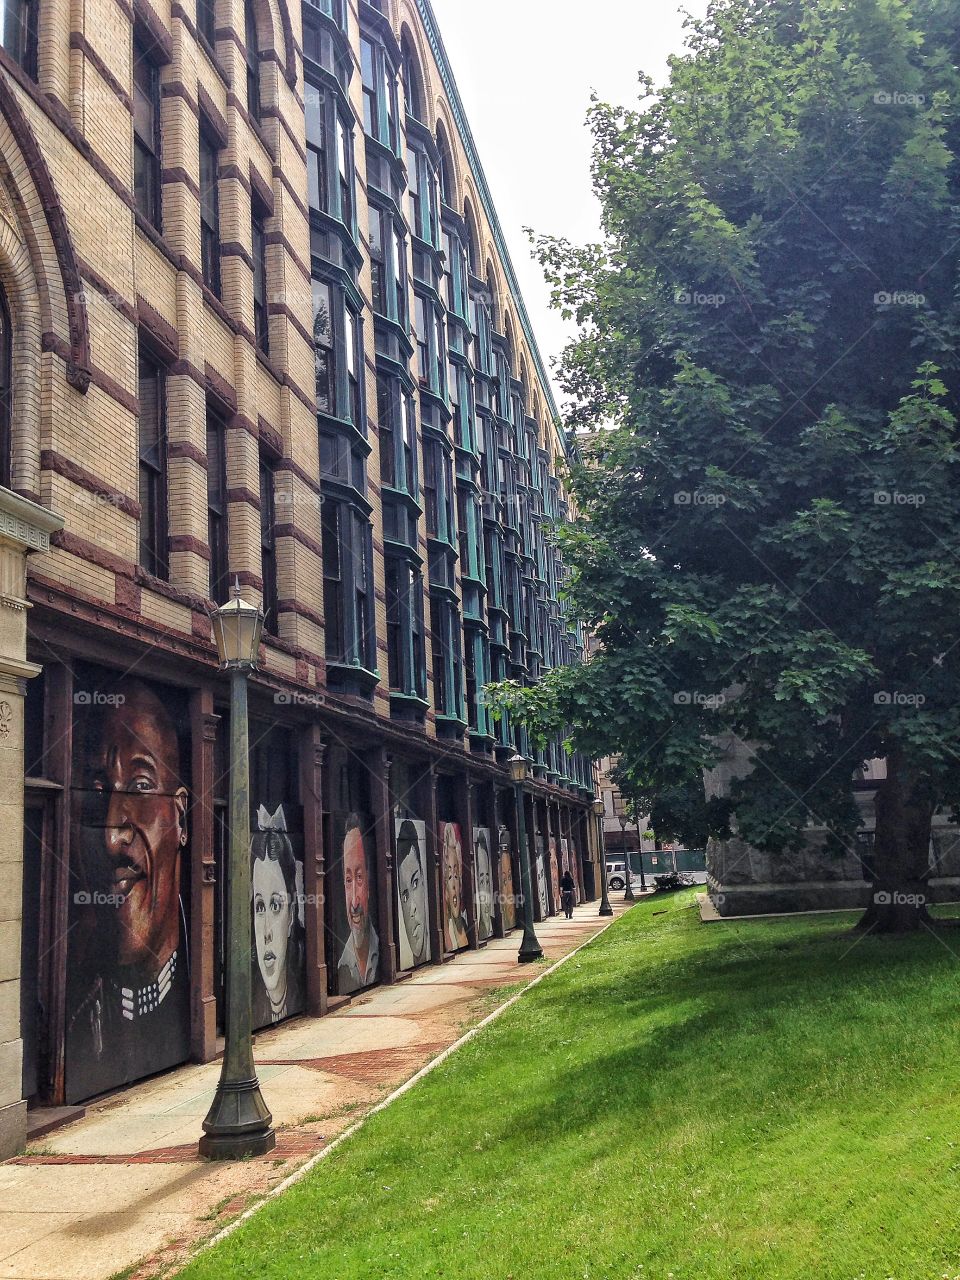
904 815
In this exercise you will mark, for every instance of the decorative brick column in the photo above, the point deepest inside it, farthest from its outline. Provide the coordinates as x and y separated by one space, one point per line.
24 527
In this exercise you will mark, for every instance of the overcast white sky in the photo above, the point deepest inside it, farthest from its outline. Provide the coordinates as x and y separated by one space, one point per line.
525 70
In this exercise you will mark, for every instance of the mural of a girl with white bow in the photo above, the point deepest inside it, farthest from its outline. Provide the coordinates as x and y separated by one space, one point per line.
278 929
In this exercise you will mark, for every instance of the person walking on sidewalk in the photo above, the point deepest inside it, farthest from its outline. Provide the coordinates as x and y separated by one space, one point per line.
567 890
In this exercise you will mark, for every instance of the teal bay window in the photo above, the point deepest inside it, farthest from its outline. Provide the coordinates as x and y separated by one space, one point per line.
500 396
347 545
438 492
424 197
431 348
447 660
379 77
469 534
335 9
345 171
338 352
493 558
486 446
518 426
330 168
480 327
406 659
388 267
477 673
455 270
460 390
398 435
317 147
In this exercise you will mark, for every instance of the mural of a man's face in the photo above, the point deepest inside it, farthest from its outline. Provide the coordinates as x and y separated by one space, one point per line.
452 871
272 922
356 886
137 766
413 901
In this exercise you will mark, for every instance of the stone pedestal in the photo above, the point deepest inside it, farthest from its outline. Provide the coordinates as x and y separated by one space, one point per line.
24 527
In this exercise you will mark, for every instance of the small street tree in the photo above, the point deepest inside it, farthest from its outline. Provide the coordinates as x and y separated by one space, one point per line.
770 336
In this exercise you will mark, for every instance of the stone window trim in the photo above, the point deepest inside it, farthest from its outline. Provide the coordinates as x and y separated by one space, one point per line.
178 13
211 147
261 191
288 61
151 32
212 119
149 175
258 264
252 55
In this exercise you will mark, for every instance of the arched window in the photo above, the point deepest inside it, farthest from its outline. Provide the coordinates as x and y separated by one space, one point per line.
252 43
6 442
448 191
412 80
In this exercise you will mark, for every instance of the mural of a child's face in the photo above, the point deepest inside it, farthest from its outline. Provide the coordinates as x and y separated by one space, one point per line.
452 871
272 923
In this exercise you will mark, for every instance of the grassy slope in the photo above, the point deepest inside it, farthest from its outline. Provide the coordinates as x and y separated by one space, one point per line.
772 1099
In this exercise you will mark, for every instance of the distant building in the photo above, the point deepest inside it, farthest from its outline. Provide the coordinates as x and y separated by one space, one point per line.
743 880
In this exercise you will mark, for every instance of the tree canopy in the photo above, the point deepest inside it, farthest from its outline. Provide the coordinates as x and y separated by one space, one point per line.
768 369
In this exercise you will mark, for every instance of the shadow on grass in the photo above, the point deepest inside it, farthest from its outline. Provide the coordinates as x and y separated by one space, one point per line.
665 1060
744 1001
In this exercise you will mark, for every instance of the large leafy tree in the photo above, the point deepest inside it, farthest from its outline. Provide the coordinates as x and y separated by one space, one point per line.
769 367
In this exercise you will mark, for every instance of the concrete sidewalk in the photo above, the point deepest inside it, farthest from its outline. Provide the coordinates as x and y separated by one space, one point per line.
123 1187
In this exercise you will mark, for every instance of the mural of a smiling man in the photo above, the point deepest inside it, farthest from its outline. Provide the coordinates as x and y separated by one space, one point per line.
130 1017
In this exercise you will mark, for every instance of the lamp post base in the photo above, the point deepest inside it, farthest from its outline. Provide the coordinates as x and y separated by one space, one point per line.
530 949
238 1123
606 909
227 1146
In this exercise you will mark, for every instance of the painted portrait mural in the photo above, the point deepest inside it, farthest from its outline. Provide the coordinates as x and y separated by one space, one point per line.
455 932
413 908
352 903
508 899
554 871
128 996
541 876
276 893
484 880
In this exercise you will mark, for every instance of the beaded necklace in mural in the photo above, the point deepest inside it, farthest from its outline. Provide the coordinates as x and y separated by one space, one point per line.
136 1002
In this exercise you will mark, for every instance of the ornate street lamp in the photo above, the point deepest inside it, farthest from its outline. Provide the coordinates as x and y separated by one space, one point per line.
643 882
605 907
238 1122
620 809
530 948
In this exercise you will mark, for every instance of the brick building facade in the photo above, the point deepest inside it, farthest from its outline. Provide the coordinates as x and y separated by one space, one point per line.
259 325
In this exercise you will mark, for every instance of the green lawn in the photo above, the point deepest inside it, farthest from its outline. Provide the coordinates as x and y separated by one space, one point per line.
770 1099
